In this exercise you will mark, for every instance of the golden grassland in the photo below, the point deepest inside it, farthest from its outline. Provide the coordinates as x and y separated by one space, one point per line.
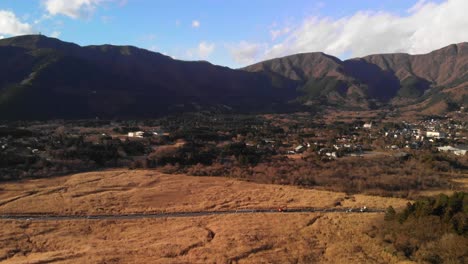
259 238
140 191
243 238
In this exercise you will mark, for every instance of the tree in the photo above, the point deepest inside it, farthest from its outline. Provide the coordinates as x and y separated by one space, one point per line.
390 214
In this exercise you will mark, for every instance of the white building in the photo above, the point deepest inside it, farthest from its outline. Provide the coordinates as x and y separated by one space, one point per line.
368 125
459 151
137 134
435 134
299 149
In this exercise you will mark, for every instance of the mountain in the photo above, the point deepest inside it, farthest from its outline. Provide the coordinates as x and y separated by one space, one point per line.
45 78
442 67
377 80
439 77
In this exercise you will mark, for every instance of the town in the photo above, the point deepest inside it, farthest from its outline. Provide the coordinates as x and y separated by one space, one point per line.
282 148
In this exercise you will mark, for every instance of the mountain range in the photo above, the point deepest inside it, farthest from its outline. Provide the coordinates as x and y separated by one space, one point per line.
45 78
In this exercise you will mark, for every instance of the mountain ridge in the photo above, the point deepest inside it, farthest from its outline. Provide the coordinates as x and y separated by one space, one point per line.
64 80
44 78
389 78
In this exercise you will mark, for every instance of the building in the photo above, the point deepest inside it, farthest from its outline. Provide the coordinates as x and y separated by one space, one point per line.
459 150
299 149
435 134
137 134
368 125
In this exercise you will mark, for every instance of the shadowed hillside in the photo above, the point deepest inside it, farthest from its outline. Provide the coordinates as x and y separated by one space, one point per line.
45 78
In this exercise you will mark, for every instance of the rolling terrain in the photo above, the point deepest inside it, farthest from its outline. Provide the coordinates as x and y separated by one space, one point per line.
130 192
232 238
279 238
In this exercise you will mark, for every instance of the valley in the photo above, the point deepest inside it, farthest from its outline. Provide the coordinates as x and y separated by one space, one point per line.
231 132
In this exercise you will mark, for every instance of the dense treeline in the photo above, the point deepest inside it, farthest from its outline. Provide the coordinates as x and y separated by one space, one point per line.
62 154
387 176
430 230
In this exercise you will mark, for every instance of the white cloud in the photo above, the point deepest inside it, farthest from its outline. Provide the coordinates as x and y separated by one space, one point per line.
205 49
2 37
276 33
71 8
195 24
202 51
42 19
245 52
76 8
11 25
426 26
55 34
417 6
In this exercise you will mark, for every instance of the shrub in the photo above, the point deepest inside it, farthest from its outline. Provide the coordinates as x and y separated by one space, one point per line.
432 229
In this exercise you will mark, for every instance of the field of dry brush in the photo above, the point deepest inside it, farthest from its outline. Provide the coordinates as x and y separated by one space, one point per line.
246 238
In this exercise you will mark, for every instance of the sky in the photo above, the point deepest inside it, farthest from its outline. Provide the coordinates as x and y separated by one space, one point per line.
241 32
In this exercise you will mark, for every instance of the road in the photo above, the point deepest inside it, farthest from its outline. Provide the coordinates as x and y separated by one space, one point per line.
44 217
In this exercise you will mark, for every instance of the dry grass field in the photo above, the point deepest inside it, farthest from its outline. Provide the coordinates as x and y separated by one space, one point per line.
244 238
139 191
272 238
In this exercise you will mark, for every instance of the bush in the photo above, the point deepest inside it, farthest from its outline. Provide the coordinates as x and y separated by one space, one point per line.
432 229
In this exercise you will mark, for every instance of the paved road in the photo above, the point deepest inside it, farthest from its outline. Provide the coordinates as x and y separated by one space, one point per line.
38 217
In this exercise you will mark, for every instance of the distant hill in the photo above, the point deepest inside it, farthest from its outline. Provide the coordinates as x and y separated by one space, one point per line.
378 80
45 78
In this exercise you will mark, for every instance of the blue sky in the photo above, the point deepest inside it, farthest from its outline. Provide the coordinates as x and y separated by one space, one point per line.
237 33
